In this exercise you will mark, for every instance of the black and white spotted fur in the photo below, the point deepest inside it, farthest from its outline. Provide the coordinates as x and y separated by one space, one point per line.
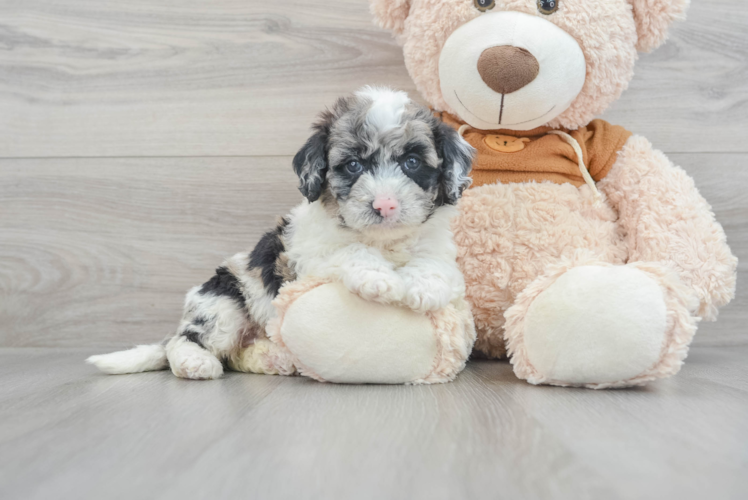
374 144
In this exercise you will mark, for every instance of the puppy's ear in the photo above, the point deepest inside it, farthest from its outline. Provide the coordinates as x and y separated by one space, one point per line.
391 14
653 19
457 161
310 163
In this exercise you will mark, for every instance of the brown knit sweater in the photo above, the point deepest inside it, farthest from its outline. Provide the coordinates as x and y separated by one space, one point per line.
535 155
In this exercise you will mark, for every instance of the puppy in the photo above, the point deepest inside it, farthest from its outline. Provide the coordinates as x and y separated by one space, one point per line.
381 176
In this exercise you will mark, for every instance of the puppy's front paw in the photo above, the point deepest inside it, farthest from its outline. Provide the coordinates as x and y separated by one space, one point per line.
424 295
386 287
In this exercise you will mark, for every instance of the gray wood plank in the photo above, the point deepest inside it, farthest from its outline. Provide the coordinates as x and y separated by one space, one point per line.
686 94
246 77
181 78
103 251
99 252
69 432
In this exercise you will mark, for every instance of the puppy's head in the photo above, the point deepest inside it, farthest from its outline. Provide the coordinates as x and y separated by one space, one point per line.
379 161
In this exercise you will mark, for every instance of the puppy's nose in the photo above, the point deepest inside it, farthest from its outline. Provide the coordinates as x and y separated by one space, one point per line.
385 205
506 69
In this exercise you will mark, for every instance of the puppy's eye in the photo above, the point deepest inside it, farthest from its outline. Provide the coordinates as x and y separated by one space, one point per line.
354 167
547 7
484 5
412 163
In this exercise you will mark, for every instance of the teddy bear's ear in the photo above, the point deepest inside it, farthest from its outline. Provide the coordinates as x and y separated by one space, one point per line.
391 14
653 19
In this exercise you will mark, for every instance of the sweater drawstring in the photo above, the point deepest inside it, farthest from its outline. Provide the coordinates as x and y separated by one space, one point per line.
580 158
577 150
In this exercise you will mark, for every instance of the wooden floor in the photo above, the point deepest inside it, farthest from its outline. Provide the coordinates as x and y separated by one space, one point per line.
67 432
142 141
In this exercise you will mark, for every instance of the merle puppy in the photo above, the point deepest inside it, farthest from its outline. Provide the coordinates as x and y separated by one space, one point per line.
381 176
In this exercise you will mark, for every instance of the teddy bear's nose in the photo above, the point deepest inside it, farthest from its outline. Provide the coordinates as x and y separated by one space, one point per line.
507 69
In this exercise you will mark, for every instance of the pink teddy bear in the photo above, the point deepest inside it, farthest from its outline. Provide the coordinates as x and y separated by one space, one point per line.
589 257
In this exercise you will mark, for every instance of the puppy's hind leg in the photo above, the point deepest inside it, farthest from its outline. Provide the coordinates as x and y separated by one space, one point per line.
188 359
214 322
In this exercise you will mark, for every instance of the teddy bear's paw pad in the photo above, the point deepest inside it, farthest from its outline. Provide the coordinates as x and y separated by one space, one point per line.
195 363
596 325
343 338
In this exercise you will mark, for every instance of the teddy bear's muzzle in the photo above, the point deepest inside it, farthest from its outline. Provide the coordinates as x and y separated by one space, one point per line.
490 71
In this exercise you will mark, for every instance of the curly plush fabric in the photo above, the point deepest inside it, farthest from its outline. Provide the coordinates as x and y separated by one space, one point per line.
391 14
665 219
653 18
508 234
455 335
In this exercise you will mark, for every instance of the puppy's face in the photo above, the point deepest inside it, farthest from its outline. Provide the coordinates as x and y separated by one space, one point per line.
380 161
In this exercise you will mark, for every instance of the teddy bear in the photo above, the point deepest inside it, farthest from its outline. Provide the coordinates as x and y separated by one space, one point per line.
589 257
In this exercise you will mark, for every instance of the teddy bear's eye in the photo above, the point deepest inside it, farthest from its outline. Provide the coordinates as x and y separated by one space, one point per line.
548 7
484 5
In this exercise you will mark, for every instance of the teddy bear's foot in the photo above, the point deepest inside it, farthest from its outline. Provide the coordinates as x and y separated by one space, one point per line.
334 335
601 326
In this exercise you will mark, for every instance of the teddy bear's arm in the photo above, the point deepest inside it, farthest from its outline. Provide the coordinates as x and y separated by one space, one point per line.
665 219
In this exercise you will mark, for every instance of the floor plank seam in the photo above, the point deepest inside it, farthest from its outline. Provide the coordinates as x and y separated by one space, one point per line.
289 155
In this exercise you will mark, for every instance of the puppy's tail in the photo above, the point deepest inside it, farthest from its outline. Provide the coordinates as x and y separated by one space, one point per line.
143 358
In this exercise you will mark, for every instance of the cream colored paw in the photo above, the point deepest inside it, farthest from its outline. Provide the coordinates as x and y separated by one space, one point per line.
377 286
193 362
596 325
256 358
427 295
